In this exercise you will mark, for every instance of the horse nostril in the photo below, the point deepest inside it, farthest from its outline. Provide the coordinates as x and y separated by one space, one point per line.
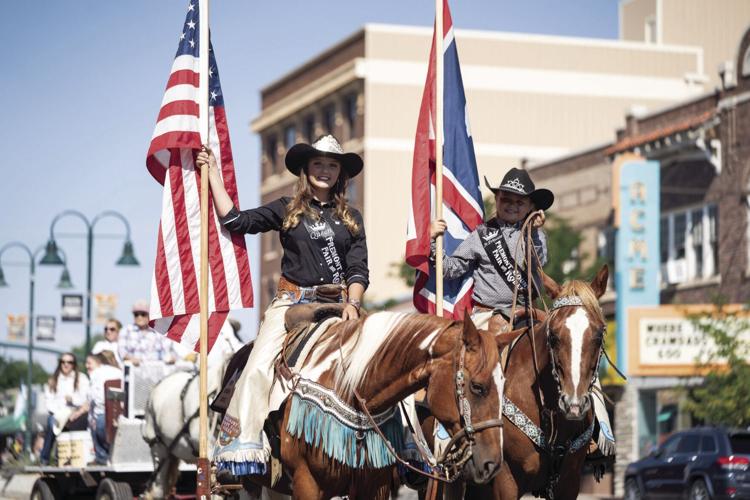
586 401
489 468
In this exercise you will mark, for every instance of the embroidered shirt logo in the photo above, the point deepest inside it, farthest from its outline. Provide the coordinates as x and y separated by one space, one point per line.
515 184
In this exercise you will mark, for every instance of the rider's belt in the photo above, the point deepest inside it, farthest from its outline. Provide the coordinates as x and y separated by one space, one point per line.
321 293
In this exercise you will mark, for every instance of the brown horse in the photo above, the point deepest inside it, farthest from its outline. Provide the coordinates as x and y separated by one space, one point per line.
378 361
549 377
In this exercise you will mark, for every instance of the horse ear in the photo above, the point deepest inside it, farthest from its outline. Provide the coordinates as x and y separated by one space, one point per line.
599 283
471 334
550 285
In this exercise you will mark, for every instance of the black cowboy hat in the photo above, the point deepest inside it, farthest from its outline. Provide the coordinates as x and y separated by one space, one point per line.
299 154
518 181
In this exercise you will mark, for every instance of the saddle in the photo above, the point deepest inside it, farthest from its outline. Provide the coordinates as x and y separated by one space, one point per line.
299 321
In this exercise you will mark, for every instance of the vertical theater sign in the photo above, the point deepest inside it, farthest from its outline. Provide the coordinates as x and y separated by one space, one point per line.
636 256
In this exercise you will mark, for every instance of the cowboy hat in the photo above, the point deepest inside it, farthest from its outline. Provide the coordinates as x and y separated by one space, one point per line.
299 154
518 181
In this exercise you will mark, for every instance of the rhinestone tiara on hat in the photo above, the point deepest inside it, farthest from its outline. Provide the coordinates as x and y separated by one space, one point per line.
515 184
328 144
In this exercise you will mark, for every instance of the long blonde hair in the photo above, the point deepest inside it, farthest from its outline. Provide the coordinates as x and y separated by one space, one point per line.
300 207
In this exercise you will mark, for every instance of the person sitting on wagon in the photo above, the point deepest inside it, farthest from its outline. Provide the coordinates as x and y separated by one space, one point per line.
101 367
489 253
324 259
65 397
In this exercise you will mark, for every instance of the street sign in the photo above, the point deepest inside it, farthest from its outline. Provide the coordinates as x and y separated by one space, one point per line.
45 327
72 308
17 327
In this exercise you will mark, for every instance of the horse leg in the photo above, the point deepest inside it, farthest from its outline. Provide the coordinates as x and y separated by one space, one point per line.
504 486
160 487
569 484
304 486
454 491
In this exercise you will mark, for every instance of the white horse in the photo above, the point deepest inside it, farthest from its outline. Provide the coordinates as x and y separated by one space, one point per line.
171 426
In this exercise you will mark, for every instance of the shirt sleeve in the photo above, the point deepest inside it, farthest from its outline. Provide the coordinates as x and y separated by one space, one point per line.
50 399
463 260
80 396
539 239
356 258
123 344
256 220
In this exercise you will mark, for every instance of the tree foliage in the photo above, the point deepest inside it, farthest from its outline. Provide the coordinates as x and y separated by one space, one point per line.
13 373
724 396
564 257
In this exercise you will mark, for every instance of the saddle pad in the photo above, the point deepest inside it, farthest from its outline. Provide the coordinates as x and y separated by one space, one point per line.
280 391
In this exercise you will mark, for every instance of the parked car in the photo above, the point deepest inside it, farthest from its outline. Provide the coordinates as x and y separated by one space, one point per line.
700 463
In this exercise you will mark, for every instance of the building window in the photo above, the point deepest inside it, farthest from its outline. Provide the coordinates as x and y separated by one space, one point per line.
329 119
350 107
606 246
689 246
309 129
272 154
649 30
290 137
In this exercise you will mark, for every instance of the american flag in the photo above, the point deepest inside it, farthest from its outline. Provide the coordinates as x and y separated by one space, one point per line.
462 199
175 305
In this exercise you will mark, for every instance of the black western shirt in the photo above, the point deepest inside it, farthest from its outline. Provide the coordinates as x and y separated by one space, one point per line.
315 252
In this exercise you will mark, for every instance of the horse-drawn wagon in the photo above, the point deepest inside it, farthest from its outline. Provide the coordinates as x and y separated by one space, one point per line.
130 471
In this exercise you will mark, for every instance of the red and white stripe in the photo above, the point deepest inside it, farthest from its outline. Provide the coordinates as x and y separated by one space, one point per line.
175 304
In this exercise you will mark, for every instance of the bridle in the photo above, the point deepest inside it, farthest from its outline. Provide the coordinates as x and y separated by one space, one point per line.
459 449
557 304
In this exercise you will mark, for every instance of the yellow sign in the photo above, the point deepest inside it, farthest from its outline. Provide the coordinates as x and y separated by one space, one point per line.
16 327
663 340
106 307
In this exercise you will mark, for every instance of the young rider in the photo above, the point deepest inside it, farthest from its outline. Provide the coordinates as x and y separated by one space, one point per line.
489 252
323 241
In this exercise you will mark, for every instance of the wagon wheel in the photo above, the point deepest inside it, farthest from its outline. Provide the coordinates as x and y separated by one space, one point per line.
112 490
43 490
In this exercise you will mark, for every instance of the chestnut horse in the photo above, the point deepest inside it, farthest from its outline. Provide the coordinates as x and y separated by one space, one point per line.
549 378
378 361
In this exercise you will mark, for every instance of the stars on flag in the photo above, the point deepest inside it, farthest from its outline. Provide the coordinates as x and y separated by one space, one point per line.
191 24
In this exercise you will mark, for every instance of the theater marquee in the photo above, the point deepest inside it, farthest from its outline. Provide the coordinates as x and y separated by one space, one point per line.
663 340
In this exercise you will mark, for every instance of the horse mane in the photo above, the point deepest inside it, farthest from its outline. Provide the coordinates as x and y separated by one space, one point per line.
379 335
583 290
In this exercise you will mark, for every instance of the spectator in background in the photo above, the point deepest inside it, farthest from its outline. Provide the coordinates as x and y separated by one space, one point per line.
139 342
110 342
65 395
101 367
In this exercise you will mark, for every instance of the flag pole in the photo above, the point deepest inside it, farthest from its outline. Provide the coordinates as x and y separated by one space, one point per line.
203 490
439 153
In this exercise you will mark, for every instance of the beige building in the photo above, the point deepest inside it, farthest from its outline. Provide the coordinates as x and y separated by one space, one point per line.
714 26
530 97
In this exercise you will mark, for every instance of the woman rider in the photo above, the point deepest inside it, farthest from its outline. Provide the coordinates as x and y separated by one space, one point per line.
324 243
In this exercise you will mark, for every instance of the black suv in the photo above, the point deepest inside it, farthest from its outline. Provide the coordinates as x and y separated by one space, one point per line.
700 463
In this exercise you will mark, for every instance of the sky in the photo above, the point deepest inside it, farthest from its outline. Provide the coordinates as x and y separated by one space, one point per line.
81 90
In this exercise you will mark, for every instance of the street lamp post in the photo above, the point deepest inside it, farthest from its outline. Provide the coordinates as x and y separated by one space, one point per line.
52 257
64 283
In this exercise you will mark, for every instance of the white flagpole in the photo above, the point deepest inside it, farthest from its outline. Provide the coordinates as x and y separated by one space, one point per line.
439 153
203 490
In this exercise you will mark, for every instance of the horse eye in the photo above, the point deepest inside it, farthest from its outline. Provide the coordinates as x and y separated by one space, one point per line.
479 389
